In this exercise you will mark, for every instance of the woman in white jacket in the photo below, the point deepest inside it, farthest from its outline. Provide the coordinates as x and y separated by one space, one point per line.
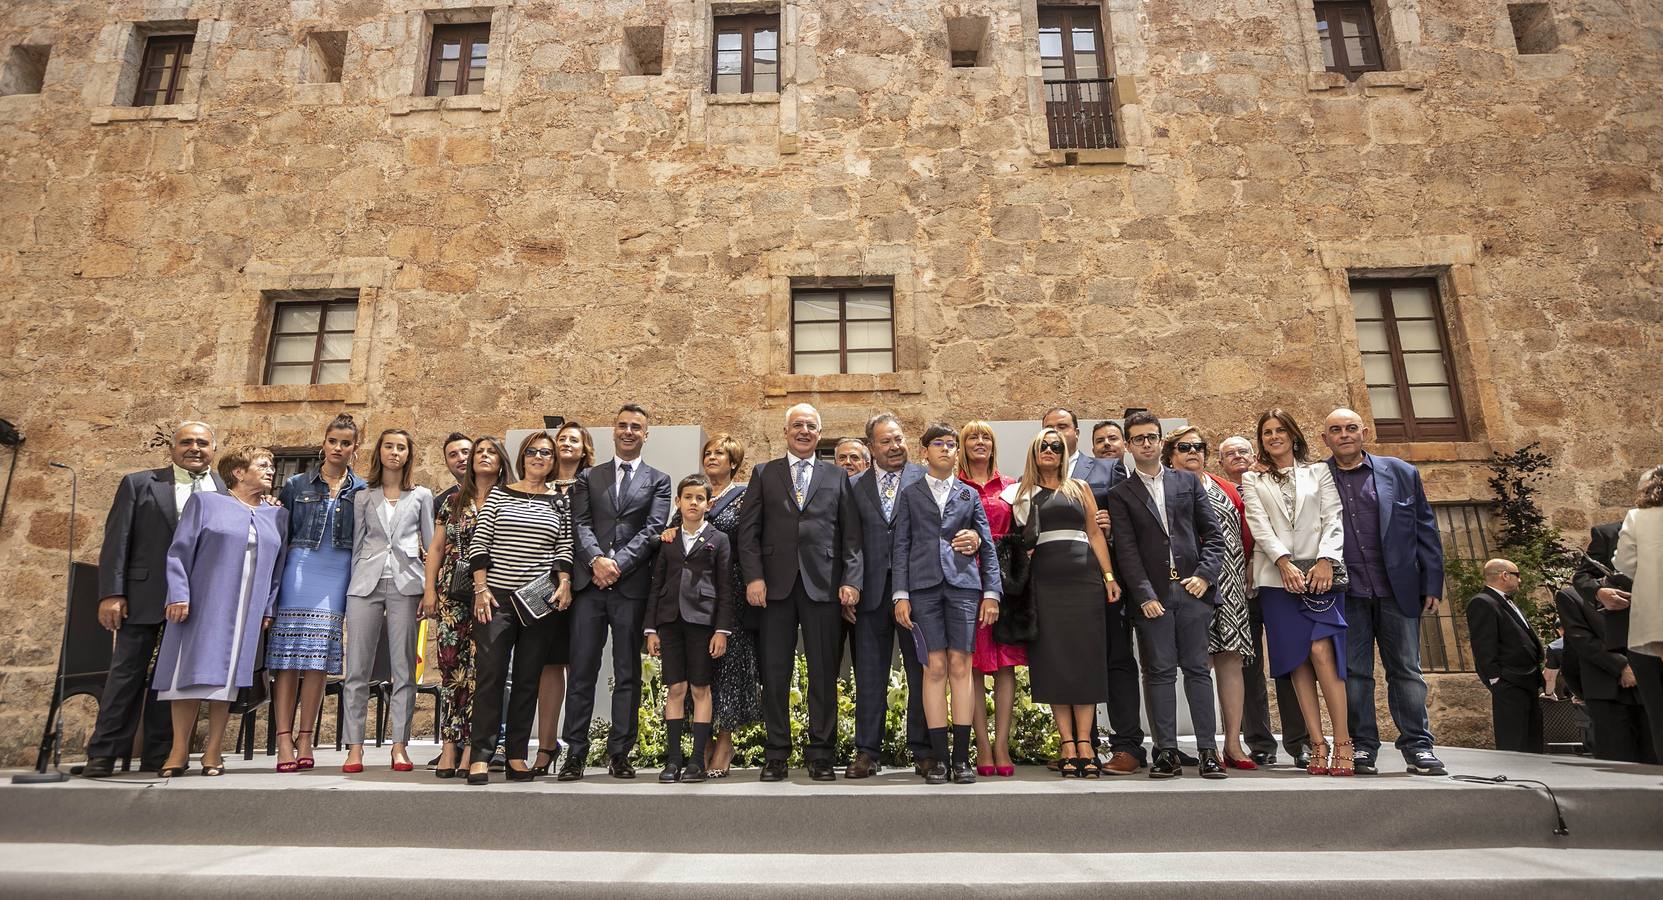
1293 510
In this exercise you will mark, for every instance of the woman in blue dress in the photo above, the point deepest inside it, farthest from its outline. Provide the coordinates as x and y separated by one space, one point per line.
304 648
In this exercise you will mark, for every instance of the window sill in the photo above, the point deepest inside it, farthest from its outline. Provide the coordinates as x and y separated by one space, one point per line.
1107 156
181 112
770 97
897 382
1368 82
404 106
351 394
1420 452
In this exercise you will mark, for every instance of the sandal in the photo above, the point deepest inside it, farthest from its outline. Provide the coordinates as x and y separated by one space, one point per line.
542 768
213 770
287 767
1089 767
1319 759
1342 754
1067 766
304 762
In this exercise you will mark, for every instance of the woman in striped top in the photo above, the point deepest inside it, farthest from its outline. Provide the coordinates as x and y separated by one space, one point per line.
523 534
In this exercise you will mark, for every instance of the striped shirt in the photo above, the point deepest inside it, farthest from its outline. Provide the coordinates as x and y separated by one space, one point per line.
520 537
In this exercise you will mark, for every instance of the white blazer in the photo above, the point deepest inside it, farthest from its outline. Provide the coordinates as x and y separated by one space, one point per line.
1640 556
409 536
1316 532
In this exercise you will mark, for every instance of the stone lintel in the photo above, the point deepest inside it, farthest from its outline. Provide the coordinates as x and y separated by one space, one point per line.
886 382
181 112
348 394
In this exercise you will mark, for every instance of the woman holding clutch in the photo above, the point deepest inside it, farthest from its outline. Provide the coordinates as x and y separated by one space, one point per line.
521 555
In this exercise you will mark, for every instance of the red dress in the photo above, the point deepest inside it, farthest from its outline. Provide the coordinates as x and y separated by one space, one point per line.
990 655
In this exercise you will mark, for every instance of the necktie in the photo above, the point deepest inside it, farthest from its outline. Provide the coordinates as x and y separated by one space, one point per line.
623 483
887 495
800 482
196 482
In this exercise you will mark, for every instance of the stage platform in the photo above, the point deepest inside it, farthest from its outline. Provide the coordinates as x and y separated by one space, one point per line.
256 833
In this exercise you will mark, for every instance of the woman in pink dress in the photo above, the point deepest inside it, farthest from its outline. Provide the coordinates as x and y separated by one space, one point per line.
979 471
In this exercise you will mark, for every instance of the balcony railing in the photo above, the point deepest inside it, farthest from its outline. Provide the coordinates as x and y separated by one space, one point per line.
1079 113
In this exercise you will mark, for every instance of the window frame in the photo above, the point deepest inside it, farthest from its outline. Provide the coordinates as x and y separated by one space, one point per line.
843 320
1328 12
748 24
468 34
1409 427
1064 17
324 307
154 44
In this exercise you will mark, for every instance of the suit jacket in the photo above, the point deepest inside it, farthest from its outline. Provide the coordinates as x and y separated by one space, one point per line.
624 529
1585 641
137 533
1602 546
1101 474
924 555
1410 547
877 536
821 542
694 586
1144 549
1502 647
1316 530
407 540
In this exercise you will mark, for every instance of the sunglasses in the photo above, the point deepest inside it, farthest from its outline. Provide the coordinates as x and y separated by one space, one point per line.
1189 447
540 452
1056 447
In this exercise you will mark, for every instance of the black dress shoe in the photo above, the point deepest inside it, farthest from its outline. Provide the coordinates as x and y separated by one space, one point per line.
821 770
935 771
774 770
962 774
1187 759
1167 764
570 770
1302 759
97 767
1364 765
619 767
671 774
1210 765
693 774
1263 758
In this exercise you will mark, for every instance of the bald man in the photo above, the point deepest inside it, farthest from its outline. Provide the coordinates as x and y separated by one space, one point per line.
1508 655
1396 563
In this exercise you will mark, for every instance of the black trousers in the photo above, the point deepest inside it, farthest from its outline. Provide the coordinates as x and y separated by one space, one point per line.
1125 689
494 644
595 613
1517 715
1621 732
127 693
1648 677
874 651
1256 700
777 656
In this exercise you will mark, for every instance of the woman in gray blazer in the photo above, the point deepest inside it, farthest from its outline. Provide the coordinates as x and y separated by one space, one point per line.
392 529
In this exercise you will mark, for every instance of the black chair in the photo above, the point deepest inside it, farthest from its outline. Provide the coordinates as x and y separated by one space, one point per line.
247 707
88 646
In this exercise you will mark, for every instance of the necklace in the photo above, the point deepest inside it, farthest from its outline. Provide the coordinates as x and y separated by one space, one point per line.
254 505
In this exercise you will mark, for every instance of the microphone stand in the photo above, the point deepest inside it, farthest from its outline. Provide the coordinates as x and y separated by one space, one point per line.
51 739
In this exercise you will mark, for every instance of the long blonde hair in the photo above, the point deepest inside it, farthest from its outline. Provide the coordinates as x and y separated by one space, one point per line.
1072 488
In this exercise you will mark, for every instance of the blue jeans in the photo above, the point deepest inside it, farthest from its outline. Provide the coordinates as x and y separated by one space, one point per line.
1378 620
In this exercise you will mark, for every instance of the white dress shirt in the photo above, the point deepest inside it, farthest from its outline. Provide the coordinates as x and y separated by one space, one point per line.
688 539
186 483
618 472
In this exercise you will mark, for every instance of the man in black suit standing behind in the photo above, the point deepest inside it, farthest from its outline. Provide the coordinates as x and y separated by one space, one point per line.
132 579
1508 655
800 555
619 509
1597 630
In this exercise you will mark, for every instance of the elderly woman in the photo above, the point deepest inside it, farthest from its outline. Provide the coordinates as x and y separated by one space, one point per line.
222 576
1640 556
1230 640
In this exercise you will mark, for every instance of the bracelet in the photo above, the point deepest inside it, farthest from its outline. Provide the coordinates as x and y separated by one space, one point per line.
1108 578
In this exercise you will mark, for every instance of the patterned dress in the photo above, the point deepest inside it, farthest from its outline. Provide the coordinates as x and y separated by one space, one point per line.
738 700
1230 631
456 670
305 633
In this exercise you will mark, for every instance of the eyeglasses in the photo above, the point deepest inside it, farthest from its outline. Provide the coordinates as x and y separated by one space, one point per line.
1056 447
1144 439
1188 447
944 445
1514 573
540 452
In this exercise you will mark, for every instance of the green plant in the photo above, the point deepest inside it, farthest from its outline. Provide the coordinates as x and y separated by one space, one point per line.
1524 536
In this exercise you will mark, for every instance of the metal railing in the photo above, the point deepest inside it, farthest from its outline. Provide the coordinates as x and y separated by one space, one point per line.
1079 113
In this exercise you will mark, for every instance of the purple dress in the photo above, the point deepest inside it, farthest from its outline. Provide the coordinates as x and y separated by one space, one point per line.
230 583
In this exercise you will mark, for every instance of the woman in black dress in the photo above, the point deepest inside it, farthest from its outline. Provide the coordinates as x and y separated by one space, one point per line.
1072 585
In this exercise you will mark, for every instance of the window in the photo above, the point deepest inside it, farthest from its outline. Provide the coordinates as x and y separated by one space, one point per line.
325 57
311 342
291 461
25 70
1533 29
967 41
167 59
747 54
1406 366
1357 49
456 65
1078 88
643 50
842 330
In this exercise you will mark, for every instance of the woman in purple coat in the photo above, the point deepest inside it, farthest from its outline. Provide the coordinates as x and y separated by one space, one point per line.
222 577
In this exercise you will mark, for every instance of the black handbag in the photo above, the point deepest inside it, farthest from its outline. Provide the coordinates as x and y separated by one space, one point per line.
1018 621
461 581
1341 582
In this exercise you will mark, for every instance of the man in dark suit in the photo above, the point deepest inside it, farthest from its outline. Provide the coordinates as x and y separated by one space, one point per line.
1168 550
1126 743
800 555
1508 655
619 510
132 579
1108 444
1606 682
1608 617
1395 561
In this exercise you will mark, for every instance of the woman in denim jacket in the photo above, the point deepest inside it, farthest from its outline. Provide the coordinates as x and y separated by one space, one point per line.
305 643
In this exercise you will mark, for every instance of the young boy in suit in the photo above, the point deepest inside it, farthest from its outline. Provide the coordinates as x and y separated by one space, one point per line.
689 618
942 595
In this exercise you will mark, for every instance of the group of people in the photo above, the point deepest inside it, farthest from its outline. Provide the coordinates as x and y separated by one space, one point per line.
530 562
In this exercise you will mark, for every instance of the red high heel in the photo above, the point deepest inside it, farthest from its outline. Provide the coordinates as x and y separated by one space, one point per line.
1246 765
1004 771
305 762
403 765
1319 759
286 767
985 771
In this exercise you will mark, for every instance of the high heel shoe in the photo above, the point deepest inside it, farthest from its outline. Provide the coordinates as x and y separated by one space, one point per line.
403 765
285 768
543 768
1004 771
214 770
1067 766
351 768
1342 755
984 771
1230 762
521 774
483 776
305 762
1319 759
172 771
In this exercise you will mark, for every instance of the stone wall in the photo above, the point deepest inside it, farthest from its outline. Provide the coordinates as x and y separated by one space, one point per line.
577 236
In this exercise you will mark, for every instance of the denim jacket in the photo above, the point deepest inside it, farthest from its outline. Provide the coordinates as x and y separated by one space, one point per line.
303 495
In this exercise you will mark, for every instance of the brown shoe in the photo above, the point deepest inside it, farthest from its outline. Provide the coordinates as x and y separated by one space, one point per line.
864 765
1121 763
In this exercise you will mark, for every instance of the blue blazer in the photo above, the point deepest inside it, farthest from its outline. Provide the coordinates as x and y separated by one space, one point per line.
626 529
878 535
1101 474
1409 541
923 554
